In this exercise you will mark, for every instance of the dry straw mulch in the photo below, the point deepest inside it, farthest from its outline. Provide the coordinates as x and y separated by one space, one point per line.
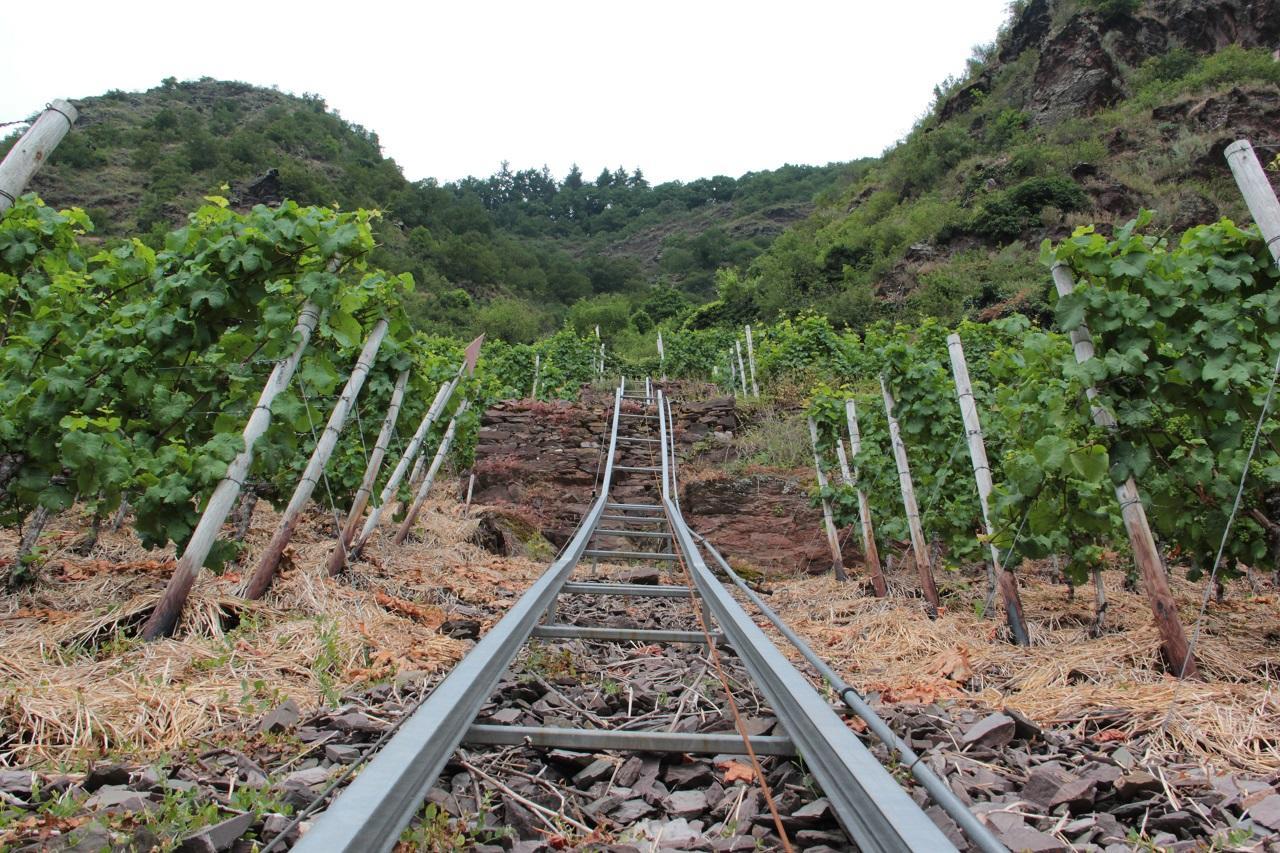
1112 689
75 684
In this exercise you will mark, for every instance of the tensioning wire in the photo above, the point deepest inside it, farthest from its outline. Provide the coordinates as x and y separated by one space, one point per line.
1222 545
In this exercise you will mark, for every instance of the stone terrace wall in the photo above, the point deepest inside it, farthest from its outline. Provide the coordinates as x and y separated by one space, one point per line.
545 458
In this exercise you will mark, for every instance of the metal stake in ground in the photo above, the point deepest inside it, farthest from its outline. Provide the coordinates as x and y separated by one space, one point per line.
828 520
165 616
919 547
1006 581
421 497
33 149
850 477
1173 640
338 559
262 576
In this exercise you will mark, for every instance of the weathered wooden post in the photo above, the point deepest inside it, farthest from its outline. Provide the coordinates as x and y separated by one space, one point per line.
742 370
828 519
1252 180
33 149
411 451
338 558
165 616
1145 554
919 547
537 369
997 576
262 576
751 362
869 547
662 358
441 452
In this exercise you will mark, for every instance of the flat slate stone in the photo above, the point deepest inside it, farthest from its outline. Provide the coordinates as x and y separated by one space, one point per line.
218 837
993 731
685 803
1027 840
1267 812
281 718
594 772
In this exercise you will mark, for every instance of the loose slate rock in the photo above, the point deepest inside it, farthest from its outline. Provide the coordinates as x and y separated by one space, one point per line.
105 774
340 753
1135 785
1027 840
694 773
281 718
685 803
219 836
1267 812
593 772
117 798
631 811
16 781
1051 786
357 722
994 731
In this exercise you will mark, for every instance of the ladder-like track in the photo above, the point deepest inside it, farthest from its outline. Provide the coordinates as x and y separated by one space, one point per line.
868 802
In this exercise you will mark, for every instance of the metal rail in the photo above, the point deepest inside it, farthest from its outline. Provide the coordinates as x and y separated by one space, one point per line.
374 809
876 812
868 802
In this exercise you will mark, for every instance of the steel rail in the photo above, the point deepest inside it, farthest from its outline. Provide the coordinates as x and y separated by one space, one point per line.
976 830
871 806
374 809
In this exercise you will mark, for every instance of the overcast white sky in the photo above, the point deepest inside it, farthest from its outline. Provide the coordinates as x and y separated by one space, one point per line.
681 89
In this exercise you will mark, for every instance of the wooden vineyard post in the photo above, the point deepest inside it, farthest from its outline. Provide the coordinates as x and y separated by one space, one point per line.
662 358
997 576
918 545
733 376
1251 178
260 580
441 452
537 368
828 520
742 371
410 452
165 616
33 149
869 547
338 557
751 363
1173 640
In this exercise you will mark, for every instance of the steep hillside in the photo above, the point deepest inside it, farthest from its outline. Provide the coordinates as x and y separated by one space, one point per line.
505 254
1082 111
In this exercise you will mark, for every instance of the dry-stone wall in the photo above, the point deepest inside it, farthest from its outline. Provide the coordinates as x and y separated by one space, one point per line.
545 459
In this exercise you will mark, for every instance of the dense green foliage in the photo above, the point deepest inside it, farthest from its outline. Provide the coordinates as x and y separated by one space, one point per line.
1187 334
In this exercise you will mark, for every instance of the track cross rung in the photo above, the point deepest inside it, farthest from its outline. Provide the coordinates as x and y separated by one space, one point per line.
620 635
631 741
638 589
647 534
628 555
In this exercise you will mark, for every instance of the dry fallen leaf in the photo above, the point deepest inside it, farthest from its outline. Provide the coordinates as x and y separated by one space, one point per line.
736 771
952 664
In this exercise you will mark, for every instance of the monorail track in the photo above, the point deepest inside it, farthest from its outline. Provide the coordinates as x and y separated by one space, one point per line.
875 812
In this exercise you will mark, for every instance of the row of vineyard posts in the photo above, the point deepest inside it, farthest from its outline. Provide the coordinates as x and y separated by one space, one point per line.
142 361
1212 317
151 395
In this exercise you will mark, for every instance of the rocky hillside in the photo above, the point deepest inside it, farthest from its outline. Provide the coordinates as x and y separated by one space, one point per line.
505 254
1082 111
